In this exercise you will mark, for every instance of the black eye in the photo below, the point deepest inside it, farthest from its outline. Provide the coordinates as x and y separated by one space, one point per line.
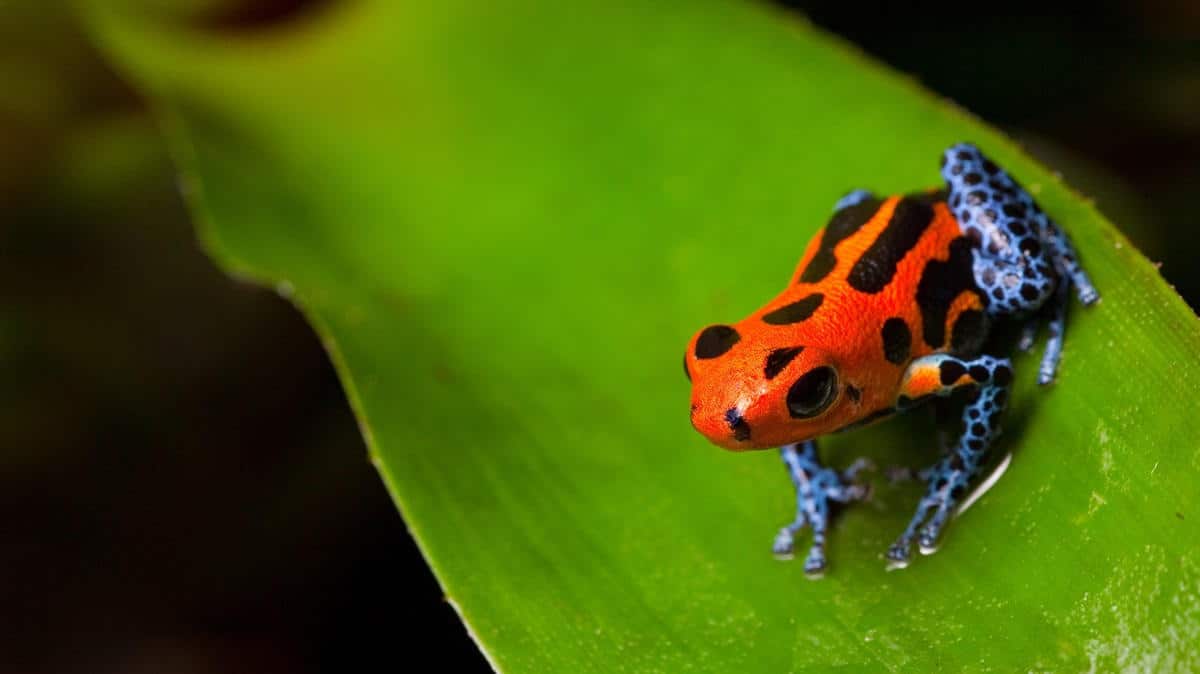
812 393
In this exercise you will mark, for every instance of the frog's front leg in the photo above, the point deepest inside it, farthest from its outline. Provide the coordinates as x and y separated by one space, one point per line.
816 487
987 378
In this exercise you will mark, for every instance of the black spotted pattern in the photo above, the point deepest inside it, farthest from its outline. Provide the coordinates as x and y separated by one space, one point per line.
941 282
843 223
951 371
897 340
715 341
796 311
779 359
874 270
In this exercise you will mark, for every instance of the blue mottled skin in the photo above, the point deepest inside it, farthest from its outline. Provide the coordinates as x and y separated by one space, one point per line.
1020 248
1025 266
816 486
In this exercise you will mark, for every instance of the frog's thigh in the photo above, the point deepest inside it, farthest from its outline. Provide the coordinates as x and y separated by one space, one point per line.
941 374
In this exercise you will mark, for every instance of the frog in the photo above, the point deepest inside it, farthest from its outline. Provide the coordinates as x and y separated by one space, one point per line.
890 309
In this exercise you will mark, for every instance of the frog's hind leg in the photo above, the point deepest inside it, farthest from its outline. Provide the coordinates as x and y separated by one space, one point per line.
1021 259
987 379
816 487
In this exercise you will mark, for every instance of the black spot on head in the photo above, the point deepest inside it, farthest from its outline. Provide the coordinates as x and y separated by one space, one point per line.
897 340
978 430
976 197
964 155
737 424
978 373
843 223
990 168
779 359
951 371
1029 292
968 332
876 267
972 178
998 293
1017 228
1030 247
796 311
964 216
958 491
715 340
974 444
973 412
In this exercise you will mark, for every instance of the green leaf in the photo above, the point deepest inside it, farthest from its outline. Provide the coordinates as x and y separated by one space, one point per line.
506 219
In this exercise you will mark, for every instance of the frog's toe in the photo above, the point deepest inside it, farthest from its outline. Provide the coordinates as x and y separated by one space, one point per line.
1028 335
898 555
814 565
783 545
1088 295
927 543
860 465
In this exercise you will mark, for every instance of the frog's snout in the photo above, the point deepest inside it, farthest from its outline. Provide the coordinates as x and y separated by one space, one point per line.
728 429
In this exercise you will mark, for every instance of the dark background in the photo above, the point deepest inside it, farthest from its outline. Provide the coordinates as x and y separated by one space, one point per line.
182 484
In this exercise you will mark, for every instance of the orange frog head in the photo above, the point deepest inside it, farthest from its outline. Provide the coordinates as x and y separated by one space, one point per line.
757 389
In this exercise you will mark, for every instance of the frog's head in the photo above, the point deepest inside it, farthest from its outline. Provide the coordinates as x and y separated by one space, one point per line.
752 393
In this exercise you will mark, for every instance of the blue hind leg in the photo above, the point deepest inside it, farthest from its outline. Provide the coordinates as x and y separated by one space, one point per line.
986 379
1022 260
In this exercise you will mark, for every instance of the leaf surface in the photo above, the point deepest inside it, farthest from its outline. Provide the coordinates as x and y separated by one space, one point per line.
506 219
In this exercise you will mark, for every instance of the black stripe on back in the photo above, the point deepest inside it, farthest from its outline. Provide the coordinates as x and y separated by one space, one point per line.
877 266
940 283
843 223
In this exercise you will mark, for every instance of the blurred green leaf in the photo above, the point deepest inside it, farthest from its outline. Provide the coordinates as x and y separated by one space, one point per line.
506 219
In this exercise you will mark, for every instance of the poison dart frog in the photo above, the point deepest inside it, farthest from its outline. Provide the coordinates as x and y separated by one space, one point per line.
889 308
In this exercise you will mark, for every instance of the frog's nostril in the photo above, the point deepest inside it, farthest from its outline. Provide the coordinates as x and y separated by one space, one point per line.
741 429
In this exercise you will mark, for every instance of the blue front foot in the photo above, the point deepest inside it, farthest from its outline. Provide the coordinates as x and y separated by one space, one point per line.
816 486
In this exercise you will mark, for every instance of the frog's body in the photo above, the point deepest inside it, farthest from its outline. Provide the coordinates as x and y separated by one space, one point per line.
889 306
